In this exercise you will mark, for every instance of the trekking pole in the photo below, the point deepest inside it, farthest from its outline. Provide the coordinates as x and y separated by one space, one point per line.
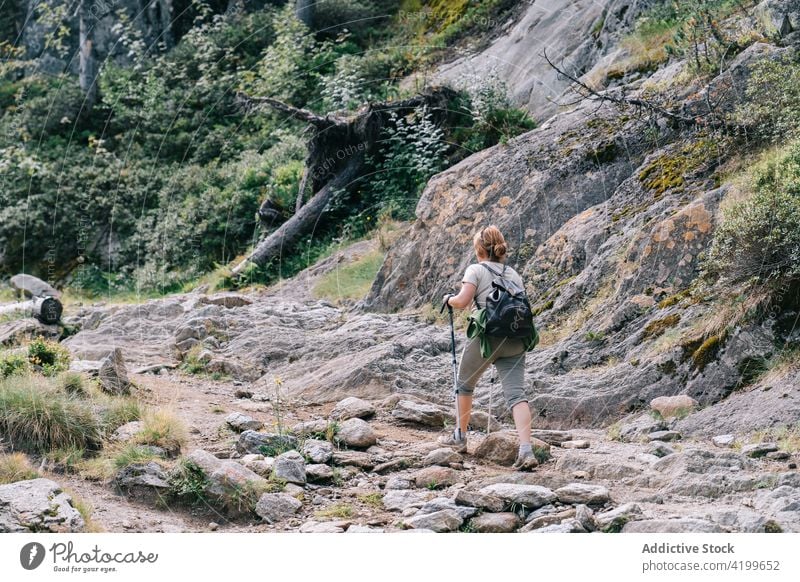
453 352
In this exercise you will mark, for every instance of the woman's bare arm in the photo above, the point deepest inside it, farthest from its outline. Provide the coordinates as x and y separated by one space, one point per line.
464 297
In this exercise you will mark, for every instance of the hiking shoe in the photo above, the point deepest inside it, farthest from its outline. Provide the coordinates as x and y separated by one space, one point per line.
459 445
526 462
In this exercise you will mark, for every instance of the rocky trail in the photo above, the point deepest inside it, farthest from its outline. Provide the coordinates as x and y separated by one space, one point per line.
361 455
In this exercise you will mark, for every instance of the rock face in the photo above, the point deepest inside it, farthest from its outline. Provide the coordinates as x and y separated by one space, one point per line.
38 505
579 32
529 496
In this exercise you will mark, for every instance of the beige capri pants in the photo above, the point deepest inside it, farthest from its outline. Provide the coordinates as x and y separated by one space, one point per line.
508 356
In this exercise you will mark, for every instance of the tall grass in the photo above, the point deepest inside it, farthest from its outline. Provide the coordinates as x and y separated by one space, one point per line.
36 417
16 467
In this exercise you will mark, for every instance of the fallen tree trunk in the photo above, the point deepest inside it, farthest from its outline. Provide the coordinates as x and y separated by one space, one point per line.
337 152
46 309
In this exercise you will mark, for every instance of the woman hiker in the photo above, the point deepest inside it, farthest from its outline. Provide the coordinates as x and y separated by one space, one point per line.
507 354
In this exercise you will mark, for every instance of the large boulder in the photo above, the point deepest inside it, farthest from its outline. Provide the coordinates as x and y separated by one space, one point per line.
273 507
143 481
356 433
37 505
412 412
352 407
529 496
229 484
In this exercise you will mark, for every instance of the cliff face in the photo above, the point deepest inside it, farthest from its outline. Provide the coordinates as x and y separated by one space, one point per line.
575 33
608 215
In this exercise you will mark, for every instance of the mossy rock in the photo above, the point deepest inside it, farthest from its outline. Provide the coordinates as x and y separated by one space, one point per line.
707 352
659 326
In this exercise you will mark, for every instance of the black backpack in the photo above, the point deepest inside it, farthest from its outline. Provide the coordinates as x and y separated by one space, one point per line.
508 312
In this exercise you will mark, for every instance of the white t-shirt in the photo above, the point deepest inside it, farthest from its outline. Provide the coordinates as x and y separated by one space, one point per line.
482 279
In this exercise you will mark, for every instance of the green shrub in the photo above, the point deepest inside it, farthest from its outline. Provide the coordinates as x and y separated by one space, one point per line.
16 467
131 454
36 418
47 356
771 108
13 364
71 383
162 429
759 237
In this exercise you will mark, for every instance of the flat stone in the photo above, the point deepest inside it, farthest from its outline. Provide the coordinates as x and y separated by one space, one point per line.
394 465
551 437
352 407
579 444
273 507
319 473
398 482
568 526
291 467
583 493
549 519
664 435
530 496
308 427
400 499
242 422
435 477
759 450
506 522
616 518
440 503
321 527
683 525
480 500
778 455
356 433
443 456
37 505
358 459
356 528
724 440
412 412
439 521
318 451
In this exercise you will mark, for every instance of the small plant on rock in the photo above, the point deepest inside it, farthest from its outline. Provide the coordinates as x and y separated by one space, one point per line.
48 357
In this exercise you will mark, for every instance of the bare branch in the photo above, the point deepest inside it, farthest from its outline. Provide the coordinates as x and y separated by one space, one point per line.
587 92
